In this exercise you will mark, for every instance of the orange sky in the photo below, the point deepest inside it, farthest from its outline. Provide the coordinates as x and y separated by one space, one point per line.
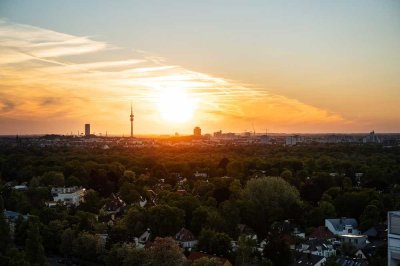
53 82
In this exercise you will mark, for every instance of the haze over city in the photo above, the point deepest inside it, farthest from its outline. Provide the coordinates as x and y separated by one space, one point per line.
296 66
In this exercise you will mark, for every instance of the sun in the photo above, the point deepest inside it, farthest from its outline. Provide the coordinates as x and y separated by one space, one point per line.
176 105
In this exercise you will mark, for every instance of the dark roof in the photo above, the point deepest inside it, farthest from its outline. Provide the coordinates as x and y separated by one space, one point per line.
322 232
351 262
13 216
197 255
314 243
340 223
306 259
370 249
114 204
184 235
377 231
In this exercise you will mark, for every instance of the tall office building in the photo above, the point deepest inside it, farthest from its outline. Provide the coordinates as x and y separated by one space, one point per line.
131 118
87 130
197 132
393 238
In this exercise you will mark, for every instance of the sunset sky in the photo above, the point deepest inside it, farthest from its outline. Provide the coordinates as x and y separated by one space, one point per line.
289 66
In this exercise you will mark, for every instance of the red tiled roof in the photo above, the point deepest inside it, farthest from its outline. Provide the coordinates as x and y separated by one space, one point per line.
197 255
322 233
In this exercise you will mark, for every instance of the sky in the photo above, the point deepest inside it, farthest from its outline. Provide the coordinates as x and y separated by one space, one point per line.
230 65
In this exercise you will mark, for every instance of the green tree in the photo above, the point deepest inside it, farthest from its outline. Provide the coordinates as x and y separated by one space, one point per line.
214 242
165 251
272 198
246 249
165 220
67 240
53 178
4 230
126 255
277 250
369 217
87 246
33 244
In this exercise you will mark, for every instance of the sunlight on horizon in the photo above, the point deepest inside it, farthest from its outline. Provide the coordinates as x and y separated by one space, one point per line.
176 105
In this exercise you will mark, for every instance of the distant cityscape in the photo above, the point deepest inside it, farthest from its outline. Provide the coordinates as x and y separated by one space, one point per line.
88 138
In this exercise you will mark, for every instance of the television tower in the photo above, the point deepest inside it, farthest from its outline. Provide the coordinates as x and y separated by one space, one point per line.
131 116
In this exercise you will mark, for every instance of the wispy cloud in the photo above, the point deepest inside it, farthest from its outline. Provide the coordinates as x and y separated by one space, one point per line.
42 79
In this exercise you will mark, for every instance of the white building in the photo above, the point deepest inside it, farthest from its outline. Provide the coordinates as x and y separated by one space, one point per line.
293 140
185 238
342 226
68 195
359 241
318 247
393 238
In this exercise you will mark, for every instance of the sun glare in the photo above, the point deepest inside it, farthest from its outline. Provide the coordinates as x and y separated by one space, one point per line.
176 106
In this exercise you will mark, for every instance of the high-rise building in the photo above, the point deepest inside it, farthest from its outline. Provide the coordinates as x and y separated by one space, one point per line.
87 130
393 238
197 132
131 118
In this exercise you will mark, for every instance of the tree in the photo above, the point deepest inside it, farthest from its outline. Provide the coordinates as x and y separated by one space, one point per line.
247 247
92 202
318 215
67 240
4 229
33 245
204 261
126 255
165 251
369 217
272 199
277 250
52 178
214 242
165 220
87 246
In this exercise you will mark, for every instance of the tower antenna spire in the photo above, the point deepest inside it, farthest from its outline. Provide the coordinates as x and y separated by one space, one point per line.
131 118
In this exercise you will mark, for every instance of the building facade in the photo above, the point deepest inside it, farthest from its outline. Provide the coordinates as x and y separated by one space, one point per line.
87 130
393 238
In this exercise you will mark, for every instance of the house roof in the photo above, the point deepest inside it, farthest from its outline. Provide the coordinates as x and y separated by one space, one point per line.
197 255
377 231
13 216
315 244
306 259
340 223
351 262
184 235
114 204
322 232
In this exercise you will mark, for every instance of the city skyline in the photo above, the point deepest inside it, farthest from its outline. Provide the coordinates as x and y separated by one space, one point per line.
313 67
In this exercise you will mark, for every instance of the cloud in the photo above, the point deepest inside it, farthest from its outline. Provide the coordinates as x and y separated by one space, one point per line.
45 72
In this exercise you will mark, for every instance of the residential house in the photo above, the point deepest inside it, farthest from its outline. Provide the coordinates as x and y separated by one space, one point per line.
197 255
11 218
342 226
143 239
344 261
358 241
369 251
186 238
317 247
71 196
322 232
307 259
378 231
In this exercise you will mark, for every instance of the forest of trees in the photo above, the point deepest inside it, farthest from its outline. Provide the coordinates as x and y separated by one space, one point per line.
258 186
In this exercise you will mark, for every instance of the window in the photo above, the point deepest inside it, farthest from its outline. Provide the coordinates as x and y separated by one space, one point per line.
394 224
